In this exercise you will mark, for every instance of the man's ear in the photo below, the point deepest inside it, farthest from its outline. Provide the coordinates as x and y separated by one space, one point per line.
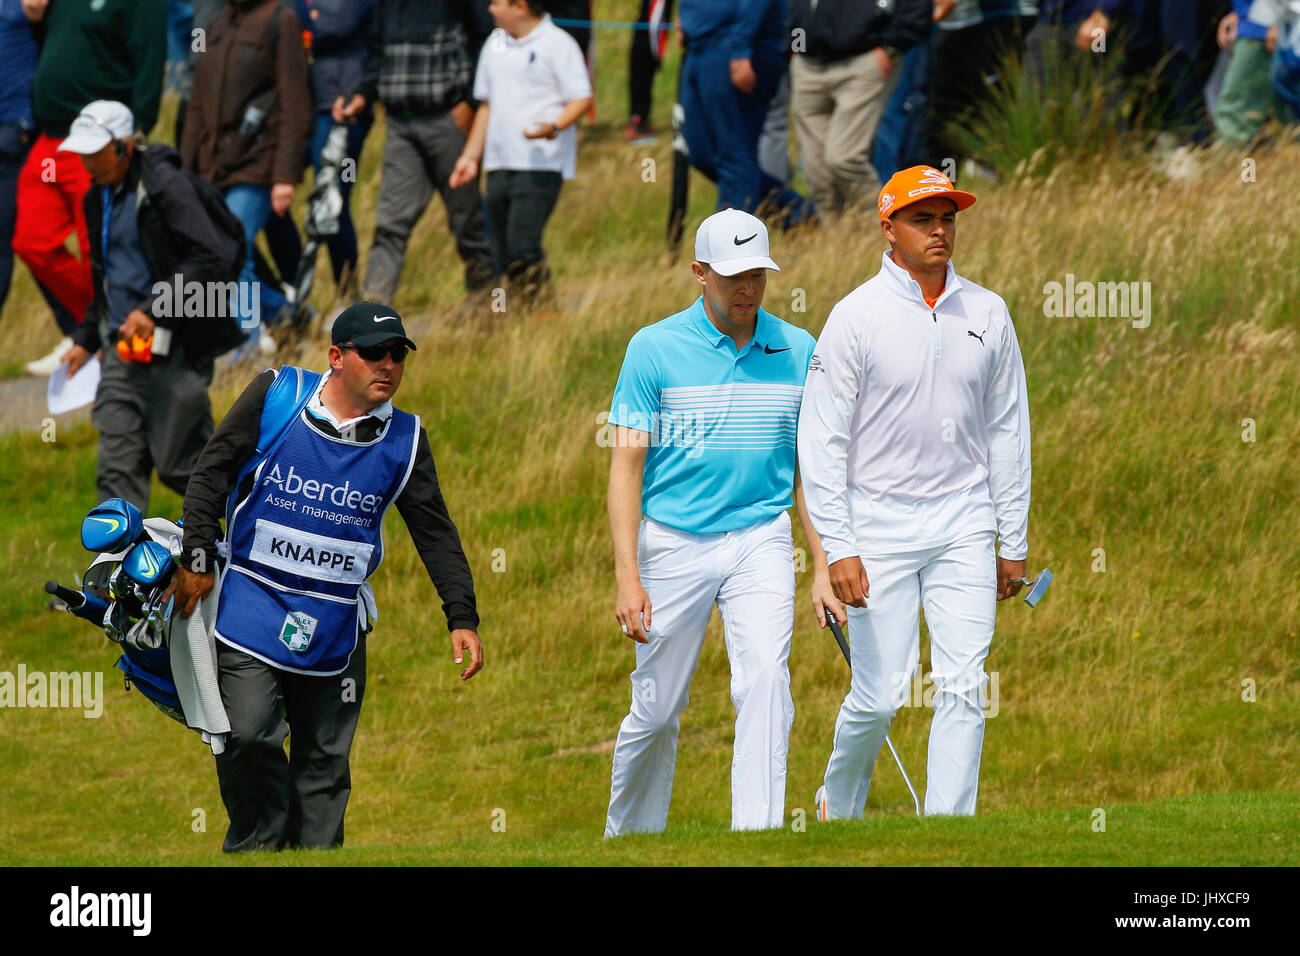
336 357
887 229
698 269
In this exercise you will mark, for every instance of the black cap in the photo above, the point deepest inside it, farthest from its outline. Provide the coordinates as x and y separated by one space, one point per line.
369 323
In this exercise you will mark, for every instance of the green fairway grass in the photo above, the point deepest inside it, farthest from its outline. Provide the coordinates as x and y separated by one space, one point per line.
1159 681
1213 830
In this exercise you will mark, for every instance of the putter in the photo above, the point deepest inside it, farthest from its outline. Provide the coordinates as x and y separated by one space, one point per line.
1037 586
844 649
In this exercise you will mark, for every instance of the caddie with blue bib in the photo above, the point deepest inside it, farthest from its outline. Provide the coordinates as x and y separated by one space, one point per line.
303 470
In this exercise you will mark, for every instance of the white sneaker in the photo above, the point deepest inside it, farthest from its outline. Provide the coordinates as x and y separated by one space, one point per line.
44 367
819 802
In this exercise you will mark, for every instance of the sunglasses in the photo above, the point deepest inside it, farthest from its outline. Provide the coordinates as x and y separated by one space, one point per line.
376 353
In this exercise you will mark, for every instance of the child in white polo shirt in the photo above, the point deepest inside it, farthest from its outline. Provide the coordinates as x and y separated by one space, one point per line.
532 85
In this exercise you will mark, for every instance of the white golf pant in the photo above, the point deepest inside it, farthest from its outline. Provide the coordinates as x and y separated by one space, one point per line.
957 585
750 574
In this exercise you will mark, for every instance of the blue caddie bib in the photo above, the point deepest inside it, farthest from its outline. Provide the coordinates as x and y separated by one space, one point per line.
305 539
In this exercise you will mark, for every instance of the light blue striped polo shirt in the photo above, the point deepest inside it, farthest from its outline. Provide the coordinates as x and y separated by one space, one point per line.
722 423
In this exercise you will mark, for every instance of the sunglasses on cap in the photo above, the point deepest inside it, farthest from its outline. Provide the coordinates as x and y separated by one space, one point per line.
376 353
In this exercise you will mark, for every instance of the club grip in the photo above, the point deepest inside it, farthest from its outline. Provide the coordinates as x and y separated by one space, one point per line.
69 596
839 635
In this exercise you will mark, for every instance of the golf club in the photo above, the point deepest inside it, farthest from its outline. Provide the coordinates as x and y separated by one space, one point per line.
1037 586
111 526
148 564
85 605
844 649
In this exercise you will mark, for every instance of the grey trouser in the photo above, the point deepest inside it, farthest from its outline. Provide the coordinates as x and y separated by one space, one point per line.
150 415
837 107
299 801
419 155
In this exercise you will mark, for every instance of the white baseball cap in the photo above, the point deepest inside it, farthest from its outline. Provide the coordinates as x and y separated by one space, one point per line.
732 242
97 125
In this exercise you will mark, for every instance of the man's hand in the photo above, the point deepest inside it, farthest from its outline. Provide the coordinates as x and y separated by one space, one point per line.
34 10
1008 572
849 582
188 588
632 609
1227 34
281 198
942 8
464 172
1095 21
464 639
74 358
823 597
351 111
1270 39
743 77
137 323
883 61
462 114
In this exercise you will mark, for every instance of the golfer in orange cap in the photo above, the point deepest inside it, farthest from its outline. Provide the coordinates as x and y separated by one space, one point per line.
914 453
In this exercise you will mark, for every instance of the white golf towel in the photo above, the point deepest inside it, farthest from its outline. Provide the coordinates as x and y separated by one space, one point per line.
194 669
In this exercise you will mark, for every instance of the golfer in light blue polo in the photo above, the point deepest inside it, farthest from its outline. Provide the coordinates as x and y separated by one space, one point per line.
706 411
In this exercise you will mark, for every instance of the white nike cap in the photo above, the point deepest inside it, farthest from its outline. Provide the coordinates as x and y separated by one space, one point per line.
732 242
97 125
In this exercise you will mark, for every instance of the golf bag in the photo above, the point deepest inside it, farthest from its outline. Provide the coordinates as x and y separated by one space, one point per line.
122 590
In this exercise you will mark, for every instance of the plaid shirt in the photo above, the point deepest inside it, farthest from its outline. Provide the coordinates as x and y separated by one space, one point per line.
426 77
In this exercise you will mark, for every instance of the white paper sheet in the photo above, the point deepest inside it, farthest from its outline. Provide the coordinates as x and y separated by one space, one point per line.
64 394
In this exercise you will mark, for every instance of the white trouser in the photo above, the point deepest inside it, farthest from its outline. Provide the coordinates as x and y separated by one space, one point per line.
957 584
750 574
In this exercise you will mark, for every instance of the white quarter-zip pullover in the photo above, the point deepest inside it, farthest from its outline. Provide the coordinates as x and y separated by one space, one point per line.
914 425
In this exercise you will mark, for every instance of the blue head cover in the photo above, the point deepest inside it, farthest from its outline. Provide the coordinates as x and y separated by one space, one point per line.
111 526
148 563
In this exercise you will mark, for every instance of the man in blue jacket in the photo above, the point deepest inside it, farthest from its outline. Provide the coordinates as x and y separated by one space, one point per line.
736 54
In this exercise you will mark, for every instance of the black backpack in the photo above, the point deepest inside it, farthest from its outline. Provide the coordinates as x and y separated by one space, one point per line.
220 334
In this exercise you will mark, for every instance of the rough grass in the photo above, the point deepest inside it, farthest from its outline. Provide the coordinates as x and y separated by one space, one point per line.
1124 688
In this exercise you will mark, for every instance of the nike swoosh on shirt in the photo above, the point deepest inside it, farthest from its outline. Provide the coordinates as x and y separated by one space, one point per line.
740 242
771 351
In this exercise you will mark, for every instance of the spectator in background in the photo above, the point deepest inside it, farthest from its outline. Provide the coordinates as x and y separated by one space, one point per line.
148 224
1188 30
735 58
113 49
531 85
842 75
18 51
248 125
339 30
902 138
571 13
1247 98
974 41
1282 18
202 13
1051 42
420 65
646 56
